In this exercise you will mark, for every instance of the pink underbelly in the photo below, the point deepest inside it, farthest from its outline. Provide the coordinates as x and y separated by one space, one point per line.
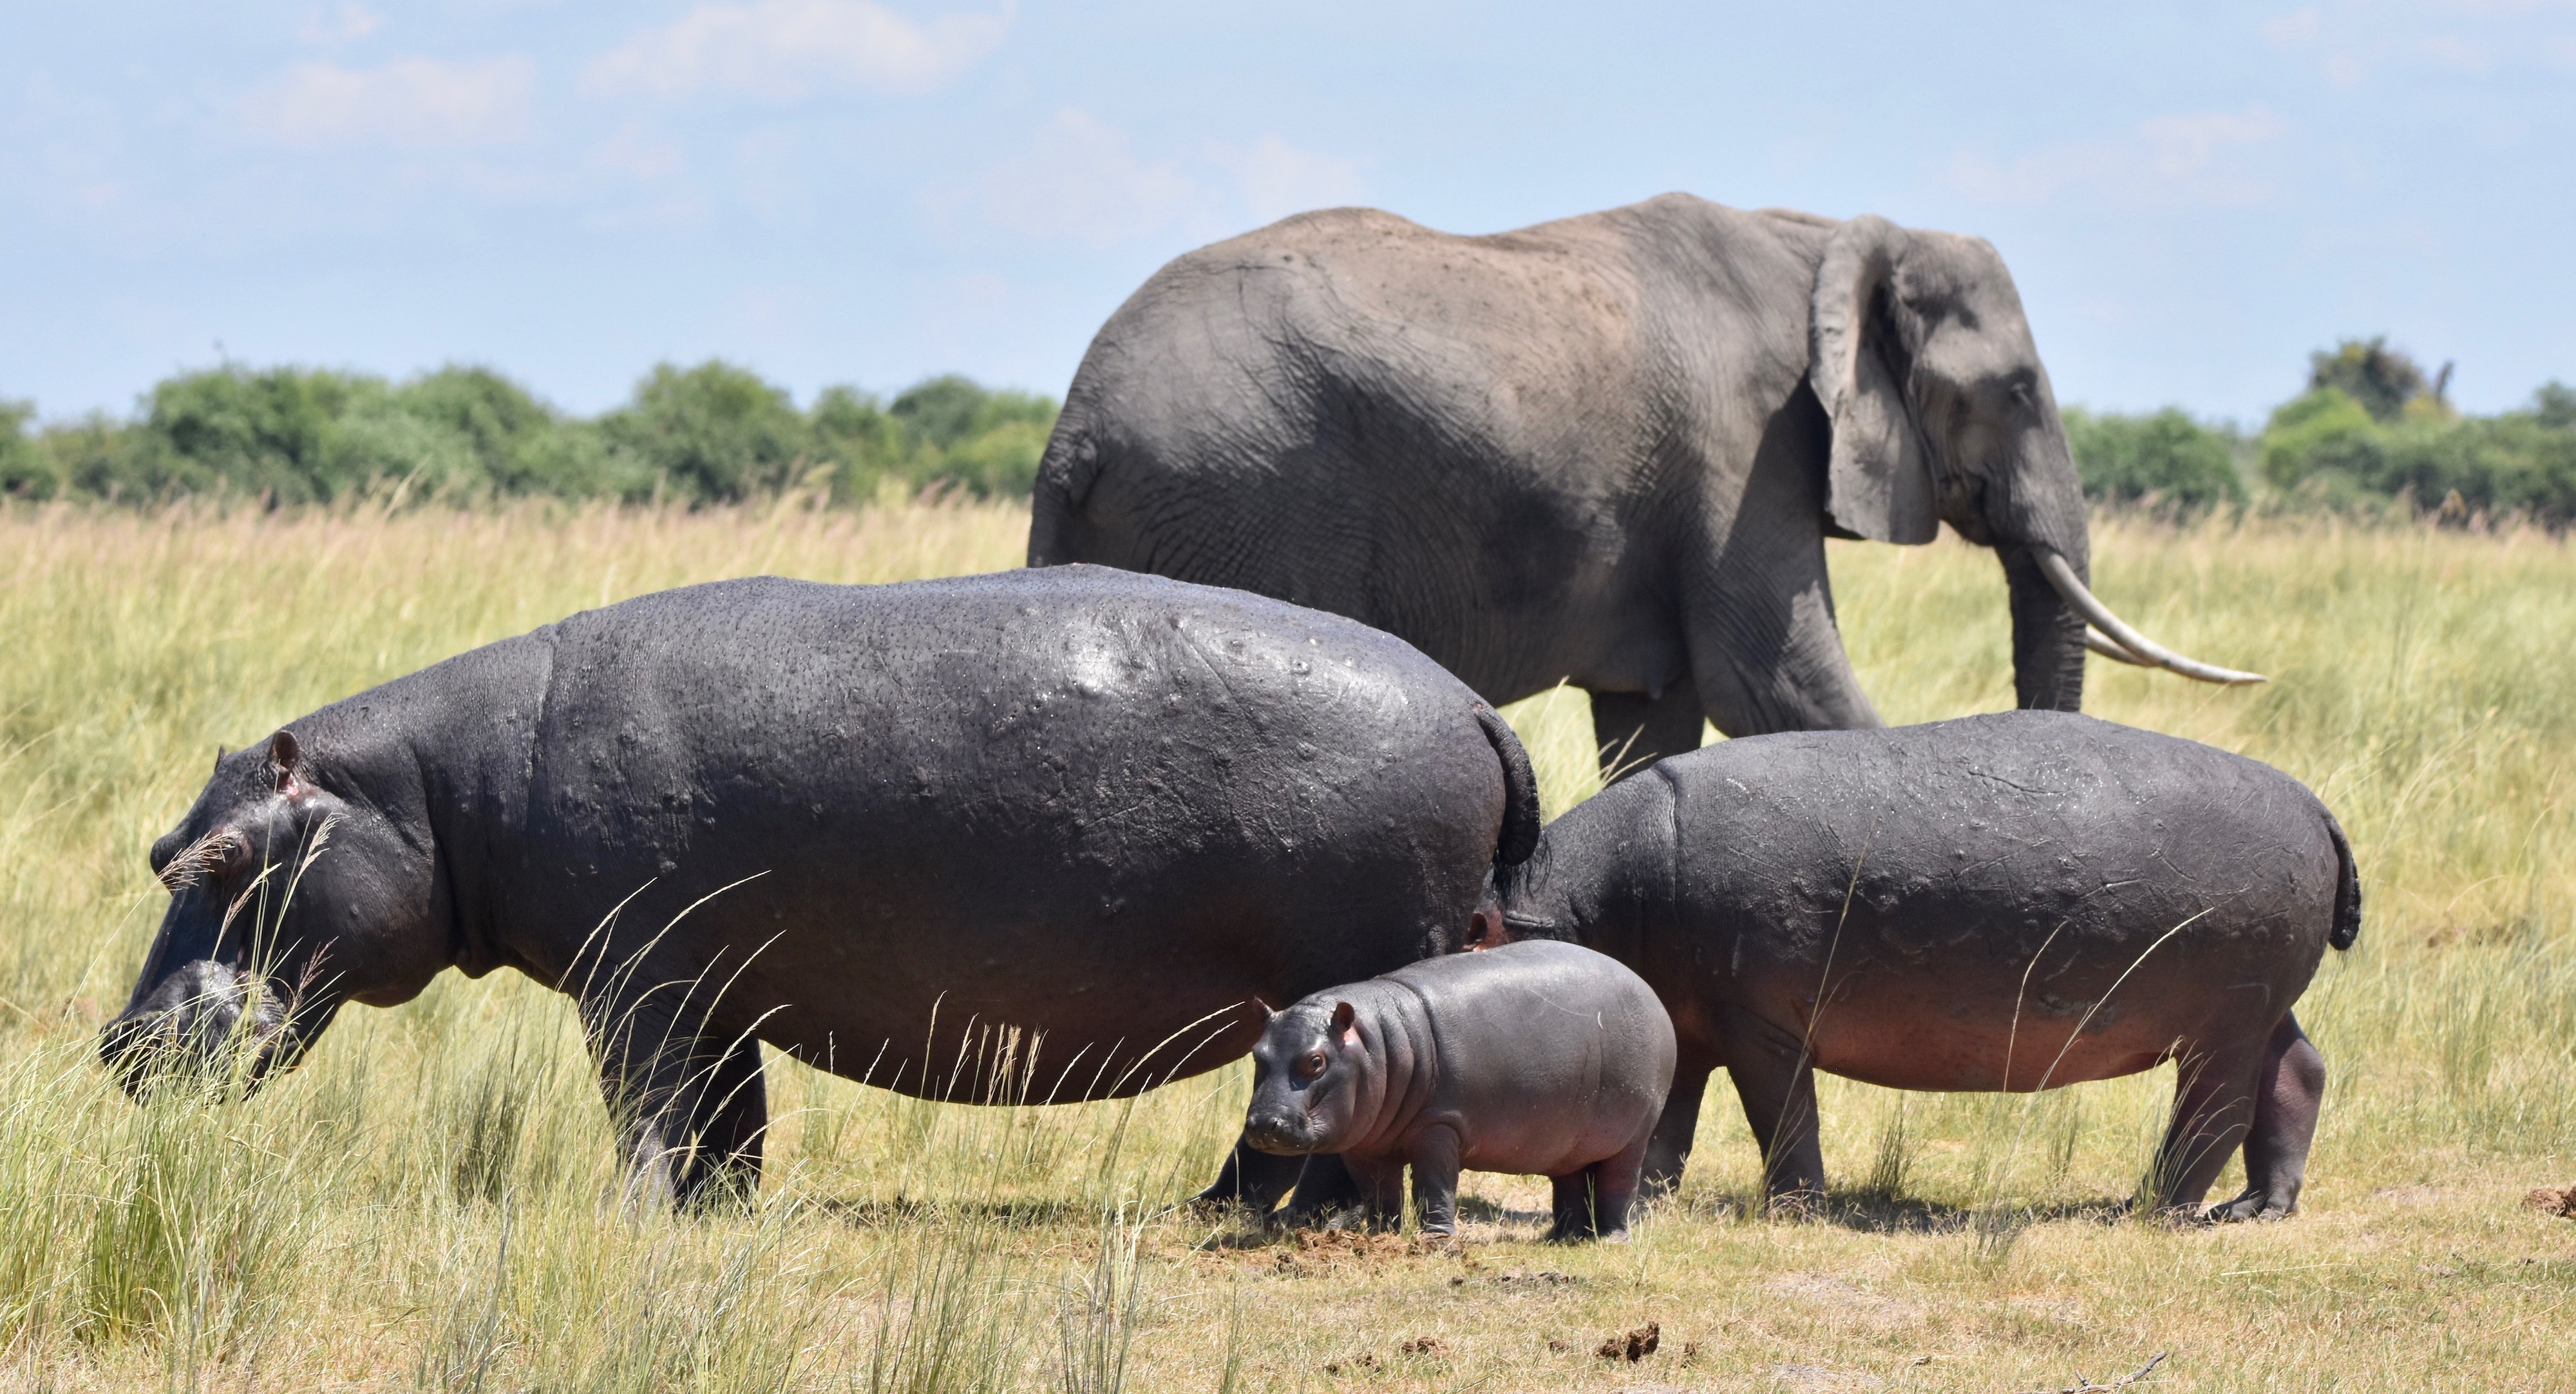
1949 1057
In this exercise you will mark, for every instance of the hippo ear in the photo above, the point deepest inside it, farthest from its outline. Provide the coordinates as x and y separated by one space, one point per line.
1345 1023
1267 1015
284 755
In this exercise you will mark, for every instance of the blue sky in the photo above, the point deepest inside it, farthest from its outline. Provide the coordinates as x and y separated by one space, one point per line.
2191 197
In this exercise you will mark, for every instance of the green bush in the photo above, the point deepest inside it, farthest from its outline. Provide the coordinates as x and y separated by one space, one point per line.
714 433
2166 458
2325 447
24 470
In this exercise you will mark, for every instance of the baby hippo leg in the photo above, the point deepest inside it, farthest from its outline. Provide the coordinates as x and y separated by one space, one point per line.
1776 1081
1435 1180
2213 1111
1593 1203
1380 1179
2287 1092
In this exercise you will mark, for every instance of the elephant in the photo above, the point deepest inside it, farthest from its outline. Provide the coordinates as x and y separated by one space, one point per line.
1605 451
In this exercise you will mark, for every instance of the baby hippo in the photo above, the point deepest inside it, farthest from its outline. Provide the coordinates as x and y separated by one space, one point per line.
2016 901
1540 1058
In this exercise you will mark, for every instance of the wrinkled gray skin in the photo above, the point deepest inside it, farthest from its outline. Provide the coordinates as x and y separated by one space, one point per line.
1606 450
2034 899
1541 1059
884 825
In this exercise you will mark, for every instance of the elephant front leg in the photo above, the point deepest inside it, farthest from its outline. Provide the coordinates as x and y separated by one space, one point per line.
1632 731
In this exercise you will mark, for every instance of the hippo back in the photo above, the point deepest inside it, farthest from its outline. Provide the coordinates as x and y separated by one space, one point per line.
1087 806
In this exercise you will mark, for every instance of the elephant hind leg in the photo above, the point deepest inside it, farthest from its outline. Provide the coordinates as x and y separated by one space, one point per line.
2287 1093
1631 731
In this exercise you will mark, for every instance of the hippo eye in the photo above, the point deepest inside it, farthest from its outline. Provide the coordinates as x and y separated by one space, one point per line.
1311 1066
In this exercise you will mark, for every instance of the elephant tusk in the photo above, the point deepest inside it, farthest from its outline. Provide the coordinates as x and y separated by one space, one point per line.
2141 649
2098 643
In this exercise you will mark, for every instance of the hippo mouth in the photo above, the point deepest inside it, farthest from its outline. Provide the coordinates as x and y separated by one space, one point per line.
222 1041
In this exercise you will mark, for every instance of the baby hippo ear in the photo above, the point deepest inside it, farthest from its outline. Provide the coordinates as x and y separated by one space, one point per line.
1346 1029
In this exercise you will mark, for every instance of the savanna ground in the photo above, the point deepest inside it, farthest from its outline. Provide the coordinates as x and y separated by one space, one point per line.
429 1201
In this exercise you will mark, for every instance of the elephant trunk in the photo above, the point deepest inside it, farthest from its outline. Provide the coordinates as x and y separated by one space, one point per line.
2048 636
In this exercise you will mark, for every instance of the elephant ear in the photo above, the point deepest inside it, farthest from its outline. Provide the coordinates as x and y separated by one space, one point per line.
1878 482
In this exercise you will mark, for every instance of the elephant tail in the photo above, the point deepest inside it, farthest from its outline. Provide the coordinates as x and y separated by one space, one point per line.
1520 791
1066 473
2347 905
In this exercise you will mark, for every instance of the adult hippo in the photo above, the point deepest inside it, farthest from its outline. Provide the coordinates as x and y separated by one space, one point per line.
878 827
2015 901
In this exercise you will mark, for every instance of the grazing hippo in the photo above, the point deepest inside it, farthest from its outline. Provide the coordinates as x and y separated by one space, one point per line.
891 830
1543 1059
2016 901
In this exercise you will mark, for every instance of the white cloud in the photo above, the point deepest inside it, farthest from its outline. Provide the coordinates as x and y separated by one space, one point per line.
2184 158
1082 178
636 152
2452 51
783 49
339 23
2184 143
415 101
1278 179
2296 27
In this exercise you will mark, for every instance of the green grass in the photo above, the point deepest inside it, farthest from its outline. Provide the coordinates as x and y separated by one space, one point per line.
430 1202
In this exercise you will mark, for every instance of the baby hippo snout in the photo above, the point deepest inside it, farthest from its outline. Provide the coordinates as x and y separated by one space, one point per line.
1538 1058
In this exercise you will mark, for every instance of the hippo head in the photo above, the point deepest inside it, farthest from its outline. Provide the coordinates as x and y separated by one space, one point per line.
286 899
1305 1080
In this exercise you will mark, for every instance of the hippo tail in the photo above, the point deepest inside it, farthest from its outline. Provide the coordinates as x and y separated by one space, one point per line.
1520 791
2347 909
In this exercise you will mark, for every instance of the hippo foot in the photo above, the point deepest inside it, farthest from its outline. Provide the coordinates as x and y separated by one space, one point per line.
1795 1205
1320 1217
1585 1236
2253 1206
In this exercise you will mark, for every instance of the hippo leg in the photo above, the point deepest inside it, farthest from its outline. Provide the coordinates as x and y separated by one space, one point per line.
1775 1078
1668 1151
1594 1202
691 1115
2213 1111
1381 1186
1434 1158
2287 1092
1253 1178
1324 1185
731 1124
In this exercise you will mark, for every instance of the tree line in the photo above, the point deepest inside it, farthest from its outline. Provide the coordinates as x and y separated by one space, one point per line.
2373 432
714 433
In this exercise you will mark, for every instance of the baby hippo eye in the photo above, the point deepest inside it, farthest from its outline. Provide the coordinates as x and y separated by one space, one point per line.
1311 1066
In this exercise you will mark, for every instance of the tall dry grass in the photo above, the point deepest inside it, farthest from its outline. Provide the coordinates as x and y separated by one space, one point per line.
429 1202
